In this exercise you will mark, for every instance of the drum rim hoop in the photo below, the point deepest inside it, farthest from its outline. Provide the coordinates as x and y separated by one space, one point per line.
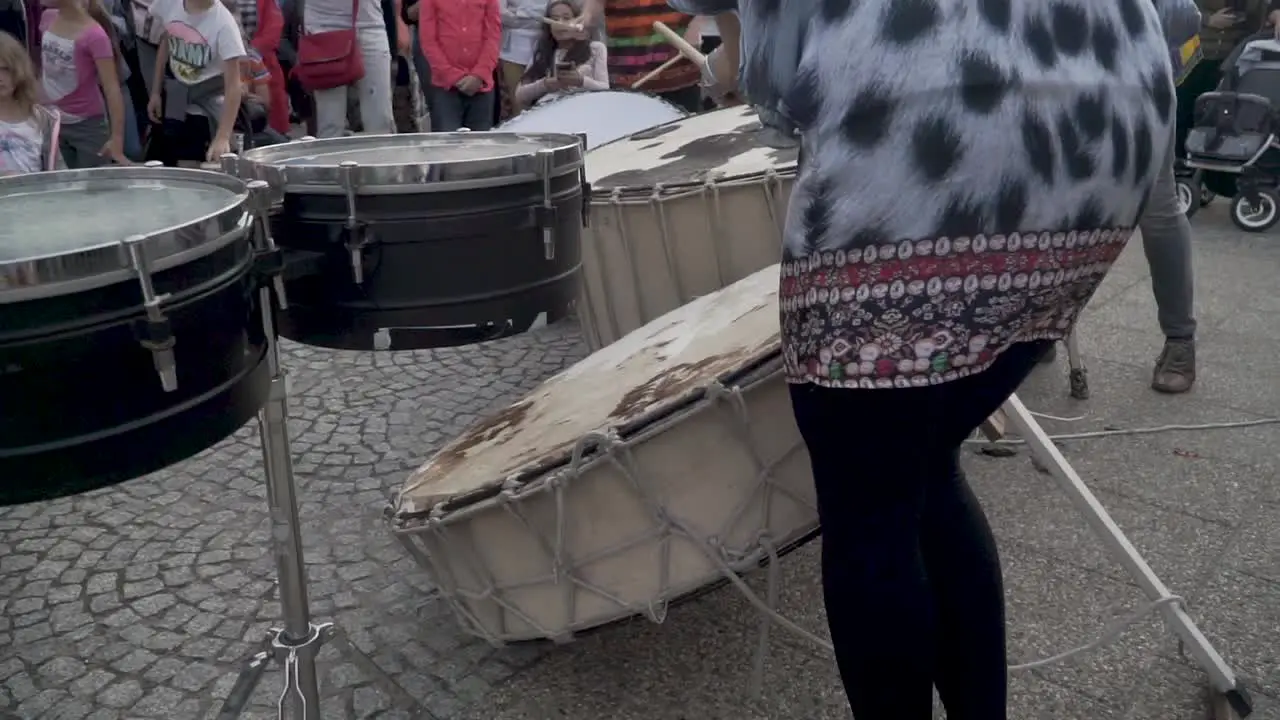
98 265
265 163
758 367
588 93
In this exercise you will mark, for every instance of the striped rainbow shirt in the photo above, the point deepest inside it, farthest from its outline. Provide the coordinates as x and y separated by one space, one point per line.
635 49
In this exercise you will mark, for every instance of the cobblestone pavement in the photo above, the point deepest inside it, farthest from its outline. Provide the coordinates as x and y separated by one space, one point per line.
142 600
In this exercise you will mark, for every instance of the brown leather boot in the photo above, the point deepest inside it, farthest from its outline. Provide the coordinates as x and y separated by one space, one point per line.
1175 370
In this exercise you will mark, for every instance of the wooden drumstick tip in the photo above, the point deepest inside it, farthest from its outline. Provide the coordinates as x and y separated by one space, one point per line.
658 71
560 24
679 43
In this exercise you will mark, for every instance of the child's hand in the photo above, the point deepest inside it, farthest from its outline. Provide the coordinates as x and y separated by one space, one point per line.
1223 19
568 78
154 107
217 148
114 151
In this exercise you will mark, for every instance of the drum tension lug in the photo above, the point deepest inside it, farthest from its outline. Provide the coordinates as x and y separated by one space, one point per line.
586 204
357 241
546 217
268 264
155 333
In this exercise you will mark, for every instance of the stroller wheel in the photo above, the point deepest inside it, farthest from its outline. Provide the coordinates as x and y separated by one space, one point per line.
1188 196
1257 213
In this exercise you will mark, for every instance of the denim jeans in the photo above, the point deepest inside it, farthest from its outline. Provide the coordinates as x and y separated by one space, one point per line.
451 110
1166 241
424 75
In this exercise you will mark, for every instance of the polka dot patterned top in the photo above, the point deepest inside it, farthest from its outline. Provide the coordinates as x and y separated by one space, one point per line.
972 169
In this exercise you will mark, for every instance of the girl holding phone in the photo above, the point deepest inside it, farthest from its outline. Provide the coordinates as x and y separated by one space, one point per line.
565 59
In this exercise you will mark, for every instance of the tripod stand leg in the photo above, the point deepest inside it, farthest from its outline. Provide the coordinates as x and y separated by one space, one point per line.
398 694
1078 374
246 683
299 637
1222 678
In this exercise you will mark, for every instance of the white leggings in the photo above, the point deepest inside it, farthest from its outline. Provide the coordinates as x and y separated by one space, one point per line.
374 90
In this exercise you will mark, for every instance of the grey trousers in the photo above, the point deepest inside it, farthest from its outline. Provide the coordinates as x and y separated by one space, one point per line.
147 62
1166 240
80 143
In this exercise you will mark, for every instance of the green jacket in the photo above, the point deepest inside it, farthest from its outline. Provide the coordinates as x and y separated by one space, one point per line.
1218 44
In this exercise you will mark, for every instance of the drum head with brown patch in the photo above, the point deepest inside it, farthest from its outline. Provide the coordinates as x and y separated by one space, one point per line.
719 144
653 369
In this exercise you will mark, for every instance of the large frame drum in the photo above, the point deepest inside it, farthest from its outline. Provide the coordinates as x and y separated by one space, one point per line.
412 241
643 473
131 333
679 211
602 115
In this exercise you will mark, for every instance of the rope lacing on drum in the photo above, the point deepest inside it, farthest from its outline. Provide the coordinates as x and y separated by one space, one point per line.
772 188
664 236
616 201
719 244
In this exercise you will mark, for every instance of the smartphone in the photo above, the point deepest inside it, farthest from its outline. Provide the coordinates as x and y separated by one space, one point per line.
564 67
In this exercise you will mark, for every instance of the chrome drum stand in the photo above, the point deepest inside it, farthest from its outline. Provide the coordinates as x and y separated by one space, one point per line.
295 645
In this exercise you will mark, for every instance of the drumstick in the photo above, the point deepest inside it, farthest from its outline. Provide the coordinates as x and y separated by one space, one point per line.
558 24
683 46
661 69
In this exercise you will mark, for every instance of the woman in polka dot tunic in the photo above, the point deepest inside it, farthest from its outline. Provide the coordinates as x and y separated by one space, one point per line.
971 169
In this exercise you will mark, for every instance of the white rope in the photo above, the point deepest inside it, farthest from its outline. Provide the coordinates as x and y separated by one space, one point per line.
1231 425
1110 633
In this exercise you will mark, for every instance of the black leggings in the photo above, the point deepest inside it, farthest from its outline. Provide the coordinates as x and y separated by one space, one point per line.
910 573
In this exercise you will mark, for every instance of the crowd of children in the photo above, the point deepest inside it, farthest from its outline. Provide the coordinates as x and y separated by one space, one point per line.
85 83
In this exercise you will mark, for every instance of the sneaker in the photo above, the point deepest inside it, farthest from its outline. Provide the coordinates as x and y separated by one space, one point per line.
1176 367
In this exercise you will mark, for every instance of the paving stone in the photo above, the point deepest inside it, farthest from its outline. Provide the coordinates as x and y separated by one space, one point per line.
195 676
70 709
91 682
23 606
100 604
123 618
153 604
61 670
41 703
121 694
135 662
132 590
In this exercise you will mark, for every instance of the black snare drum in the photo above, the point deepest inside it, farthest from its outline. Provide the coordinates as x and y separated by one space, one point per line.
131 335
429 240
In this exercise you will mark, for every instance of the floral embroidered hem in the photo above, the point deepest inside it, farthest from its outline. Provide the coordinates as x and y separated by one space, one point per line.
921 312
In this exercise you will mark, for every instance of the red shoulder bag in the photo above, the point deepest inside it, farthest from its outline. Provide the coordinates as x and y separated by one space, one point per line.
331 59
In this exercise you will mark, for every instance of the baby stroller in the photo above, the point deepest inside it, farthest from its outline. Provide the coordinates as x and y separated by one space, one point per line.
1235 142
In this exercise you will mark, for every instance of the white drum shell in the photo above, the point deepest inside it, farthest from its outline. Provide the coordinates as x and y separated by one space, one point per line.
645 256
582 548
649 250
